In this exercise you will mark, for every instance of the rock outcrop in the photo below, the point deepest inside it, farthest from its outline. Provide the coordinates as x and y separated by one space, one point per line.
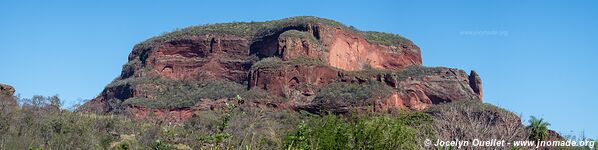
7 99
282 63
7 90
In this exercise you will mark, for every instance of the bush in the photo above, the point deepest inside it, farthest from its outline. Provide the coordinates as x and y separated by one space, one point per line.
299 34
352 92
306 61
471 119
277 63
372 131
368 73
384 38
268 63
168 93
261 128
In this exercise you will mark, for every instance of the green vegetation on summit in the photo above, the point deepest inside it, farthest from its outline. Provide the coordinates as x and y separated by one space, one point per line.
256 30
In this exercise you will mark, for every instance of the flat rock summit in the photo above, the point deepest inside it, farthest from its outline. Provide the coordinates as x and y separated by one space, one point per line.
299 63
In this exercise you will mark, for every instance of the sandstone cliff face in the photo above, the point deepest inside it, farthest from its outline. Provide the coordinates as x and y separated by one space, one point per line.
439 85
352 52
217 56
346 50
289 59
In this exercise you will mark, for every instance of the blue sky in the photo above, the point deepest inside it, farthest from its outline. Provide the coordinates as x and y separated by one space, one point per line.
534 57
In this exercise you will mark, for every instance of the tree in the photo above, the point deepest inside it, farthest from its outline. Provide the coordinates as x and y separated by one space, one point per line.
538 128
54 101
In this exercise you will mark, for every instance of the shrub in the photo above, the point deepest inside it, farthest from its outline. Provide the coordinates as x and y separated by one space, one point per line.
167 93
267 63
277 63
368 72
299 34
538 129
260 128
471 119
358 132
352 92
126 142
384 38
299 138
306 61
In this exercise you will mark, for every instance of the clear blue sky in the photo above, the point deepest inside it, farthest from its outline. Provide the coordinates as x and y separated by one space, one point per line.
535 57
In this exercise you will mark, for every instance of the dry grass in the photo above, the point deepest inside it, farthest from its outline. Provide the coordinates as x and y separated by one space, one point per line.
467 120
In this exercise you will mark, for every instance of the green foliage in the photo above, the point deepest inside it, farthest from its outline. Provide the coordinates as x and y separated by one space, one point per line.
162 145
257 30
299 34
352 92
538 129
384 38
236 126
359 132
126 142
368 72
167 93
220 136
240 125
262 128
250 30
414 71
418 71
298 139
306 61
267 63
39 124
277 63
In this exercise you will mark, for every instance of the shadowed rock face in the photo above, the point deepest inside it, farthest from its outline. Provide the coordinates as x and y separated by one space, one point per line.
289 59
